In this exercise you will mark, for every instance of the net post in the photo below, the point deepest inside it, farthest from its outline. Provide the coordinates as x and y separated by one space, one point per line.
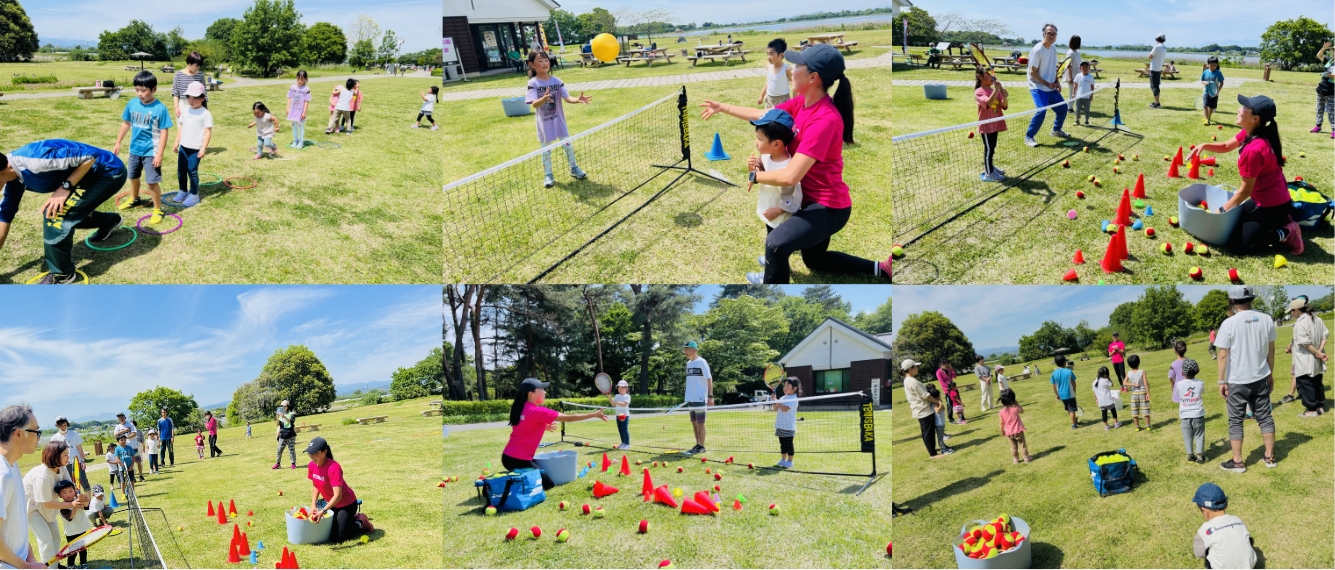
684 127
867 433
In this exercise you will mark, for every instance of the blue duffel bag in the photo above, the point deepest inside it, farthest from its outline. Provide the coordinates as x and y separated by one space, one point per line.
1112 478
514 491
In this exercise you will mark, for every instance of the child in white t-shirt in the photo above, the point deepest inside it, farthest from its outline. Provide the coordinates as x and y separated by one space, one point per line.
1084 89
785 420
1103 395
192 143
428 108
621 403
1003 381
151 447
1190 394
1223 541
114 467
775 204
99 513
76 519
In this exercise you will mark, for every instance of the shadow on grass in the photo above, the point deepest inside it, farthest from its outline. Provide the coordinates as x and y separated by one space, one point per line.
1045 555
1283 445
956 488
1047 452
372 536
974 442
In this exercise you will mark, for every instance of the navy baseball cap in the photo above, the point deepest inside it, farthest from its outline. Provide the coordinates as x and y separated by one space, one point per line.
317 444
822 59
530 384
779 116
1261 106
1211 496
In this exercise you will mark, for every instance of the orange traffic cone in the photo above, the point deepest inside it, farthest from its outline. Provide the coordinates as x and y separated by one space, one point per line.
662 495
1177 158
233 557
625 466
600 490
648 488
1071 275
690 507
606 463
1112 260
704 499
1079 257
211 509
1124 210
1139 192
1194 172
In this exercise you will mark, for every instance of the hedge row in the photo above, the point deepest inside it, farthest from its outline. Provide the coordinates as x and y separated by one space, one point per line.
468 412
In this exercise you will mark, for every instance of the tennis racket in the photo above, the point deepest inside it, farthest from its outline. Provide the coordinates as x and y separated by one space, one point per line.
604 382
81 543
1200 102
980 59
774 373
1079 412
1061 68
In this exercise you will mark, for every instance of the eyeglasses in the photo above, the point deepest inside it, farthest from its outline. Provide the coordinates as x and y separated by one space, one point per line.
1049 33
33 431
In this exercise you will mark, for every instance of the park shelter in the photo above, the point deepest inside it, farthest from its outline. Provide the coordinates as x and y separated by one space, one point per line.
839 358
489 33
896 5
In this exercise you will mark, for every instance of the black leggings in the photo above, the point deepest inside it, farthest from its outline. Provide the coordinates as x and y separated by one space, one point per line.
1259 228
927 425
352 119
1120 369
428 117
989 149
345 523
809 231
511 464
786 445
1105 415
213 446
83 554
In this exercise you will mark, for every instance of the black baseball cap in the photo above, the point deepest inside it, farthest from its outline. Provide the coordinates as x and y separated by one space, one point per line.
530 384
822 59
317 444
1261 106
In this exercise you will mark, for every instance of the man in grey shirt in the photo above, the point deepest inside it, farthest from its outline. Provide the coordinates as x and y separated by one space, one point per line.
1246 344
984 381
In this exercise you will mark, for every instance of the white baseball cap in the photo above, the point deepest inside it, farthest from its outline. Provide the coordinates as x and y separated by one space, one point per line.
622 383
908 363
195 89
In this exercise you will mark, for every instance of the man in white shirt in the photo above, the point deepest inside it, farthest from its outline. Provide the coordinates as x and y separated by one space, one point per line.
74 441
1246 344
19 435
1043 86
922 406
1156 56
699 392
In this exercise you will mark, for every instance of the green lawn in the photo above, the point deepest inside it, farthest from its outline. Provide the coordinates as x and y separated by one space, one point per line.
326 215
392 467
1024 236
698 232
821 524
1287 509
756 41
83 73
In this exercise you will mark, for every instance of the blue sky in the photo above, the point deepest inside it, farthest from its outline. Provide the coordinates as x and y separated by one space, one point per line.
722 12
418 21
1184 22
996 316
864 298
85 351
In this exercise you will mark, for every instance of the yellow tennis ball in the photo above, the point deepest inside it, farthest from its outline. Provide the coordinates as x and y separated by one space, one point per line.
676 492
562 535
491 511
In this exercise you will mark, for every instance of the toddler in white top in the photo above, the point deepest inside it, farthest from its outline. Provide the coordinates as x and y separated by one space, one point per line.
785 420
621 404
775 204
1084 92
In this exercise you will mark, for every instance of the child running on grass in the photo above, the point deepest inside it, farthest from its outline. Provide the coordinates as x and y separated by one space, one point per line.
192 143
1084 92
775 204
1139 386
778 75
1190 395
785 420
1103 394
1012 427
1223 541
199 444
991 99
1213 81
147 121
428 107
1063 386
265 127
546 94
621 402
298 100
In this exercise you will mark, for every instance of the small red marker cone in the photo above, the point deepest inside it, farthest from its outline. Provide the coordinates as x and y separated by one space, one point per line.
1177 158
704 499
1139 192
736 505
606 463
231 507
1210 172
1172 170
600 490
292 561
690 507
222 515
1071 275
282 562
1121 243
647 489
625 466
1124 210
1112 260
211 508
1079 257
233 557
1208 161
662 495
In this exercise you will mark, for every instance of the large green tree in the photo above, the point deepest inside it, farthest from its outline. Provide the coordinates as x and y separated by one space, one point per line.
268 37
324 43
137 36
1294 43
388 48
735 338
425 378
175 43
922 28
660 310
294 374
878 321
1120 322
568 25
1049 337
928 337
221 30
597 21
1211 310
804 315
362 54
146 406
18 39
1161 315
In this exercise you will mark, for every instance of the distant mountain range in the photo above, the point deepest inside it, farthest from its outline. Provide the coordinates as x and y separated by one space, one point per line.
67 43
97 418
363 386
999 350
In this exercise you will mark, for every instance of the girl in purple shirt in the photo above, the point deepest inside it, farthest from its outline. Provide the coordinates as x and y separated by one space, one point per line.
298 99
545 94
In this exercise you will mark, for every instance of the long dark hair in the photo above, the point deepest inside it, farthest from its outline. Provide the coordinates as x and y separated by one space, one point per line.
521 398
1269 131
533 56
843 101
796 384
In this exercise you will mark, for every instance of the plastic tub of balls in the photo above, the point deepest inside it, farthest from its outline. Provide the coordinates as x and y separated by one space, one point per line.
934 90
1018 556
303 531
1207 224
560 466
516 107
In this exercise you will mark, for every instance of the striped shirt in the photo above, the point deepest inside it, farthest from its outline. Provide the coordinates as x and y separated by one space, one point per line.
43 165
183 80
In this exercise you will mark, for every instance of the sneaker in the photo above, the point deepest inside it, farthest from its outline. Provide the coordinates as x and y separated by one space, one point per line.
998 171
275 466
136 203
548 181
294 466
1286 399
1191 458
780 465
364 521
59 279
1294 239
1117 425
1308 415
761 260
104 231
1230 465
1154 105
1269 462
435 127
1030 142
1315 129
1060 133
947 451
986 177
174 197
755 278
190 200
578 174
1200 458
415 126
623 446
1205 122
1106 427
1073 426
156 218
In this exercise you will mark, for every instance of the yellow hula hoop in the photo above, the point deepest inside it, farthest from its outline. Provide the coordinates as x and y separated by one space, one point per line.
39 277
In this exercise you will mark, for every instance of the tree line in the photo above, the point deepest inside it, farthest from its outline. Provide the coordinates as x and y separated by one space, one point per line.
495 336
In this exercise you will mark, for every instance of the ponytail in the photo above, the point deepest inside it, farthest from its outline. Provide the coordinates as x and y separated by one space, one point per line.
843 101
1269 131
517 407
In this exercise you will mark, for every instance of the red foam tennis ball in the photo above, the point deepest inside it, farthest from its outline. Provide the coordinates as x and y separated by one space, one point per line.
563 505
665 564
250 513
1196 273
562 535
1121 157
1080 194
970 134
717 489
708 471
1192 147
514 532
280 493
1167 247
704 459
536 532
1098 183
679 469
1233 274
1149 232
1086 149
638 462
585 509
750 465
890 549
718 476
644 526
1221 127
1066 164
655 464
1188 247
1115 171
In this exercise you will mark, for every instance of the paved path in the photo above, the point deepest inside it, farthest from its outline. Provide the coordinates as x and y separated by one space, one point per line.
236 83
1234 83
651 81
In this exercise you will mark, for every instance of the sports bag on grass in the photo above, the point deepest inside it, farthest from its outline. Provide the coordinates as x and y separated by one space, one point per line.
1113 472
514 491
1310 206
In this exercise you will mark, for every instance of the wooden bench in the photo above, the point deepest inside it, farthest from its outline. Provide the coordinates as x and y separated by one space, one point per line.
1145 72
434 412
846 46
372 420
90 92
434 402
131 68
303 427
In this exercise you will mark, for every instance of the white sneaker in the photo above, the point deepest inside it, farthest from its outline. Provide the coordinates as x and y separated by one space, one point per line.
416 126
1061 134
1030 142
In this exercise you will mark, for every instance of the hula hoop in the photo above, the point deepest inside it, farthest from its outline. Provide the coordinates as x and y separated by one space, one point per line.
170 204
228 182
326 144
140 225
39 277
214 183
88 241
119 197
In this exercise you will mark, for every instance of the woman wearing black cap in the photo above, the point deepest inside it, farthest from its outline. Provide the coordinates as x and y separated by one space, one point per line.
1264 195
332 495
529 419
822 123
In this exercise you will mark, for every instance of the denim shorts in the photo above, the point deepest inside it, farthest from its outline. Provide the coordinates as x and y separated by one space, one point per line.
143 164
262 142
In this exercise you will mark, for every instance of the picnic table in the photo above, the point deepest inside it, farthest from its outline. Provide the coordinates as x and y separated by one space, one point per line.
649 56
836 40
90 92
372 420
1007 63
435 402
726 52
168 69
304 427
1145 72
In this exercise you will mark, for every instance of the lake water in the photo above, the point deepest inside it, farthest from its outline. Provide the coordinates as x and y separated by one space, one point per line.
803 24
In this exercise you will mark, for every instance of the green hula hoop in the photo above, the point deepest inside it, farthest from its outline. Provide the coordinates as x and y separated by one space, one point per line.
134 235
213 183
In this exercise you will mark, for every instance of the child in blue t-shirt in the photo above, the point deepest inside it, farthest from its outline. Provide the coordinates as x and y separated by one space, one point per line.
148 121
1213 80
1063 385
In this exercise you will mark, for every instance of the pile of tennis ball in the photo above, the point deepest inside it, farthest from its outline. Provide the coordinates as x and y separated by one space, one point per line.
992 539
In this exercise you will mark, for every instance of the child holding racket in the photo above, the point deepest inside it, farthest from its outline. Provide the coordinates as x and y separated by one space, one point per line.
785 420
1012 427
1103 395
76 520
991 99
546 94
621 403
1140 391
1213 80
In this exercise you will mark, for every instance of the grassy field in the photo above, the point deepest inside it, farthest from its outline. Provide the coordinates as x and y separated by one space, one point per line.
327 215
756 41
1024 236
1288 509
397 500
713 226
84 73
822 523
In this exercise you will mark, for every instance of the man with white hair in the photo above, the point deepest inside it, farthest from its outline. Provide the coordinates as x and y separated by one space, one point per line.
19 435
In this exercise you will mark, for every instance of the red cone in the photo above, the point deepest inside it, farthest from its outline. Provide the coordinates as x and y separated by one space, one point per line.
1194 172
1112 260
243 547
1209 161
625 466
1079 257
282 561
1172 171
231 507
1177 158
736 504
690 507
606 463
662 495
1071 275
1139 192
600 490
704 499
1121 243
222 515
211 508
1124 210
236 537
292 561
233 557
648 488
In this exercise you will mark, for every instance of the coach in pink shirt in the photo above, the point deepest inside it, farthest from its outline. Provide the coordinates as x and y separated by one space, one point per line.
529 419
1117 353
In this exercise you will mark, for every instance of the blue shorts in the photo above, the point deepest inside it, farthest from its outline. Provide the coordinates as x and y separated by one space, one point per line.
144 164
